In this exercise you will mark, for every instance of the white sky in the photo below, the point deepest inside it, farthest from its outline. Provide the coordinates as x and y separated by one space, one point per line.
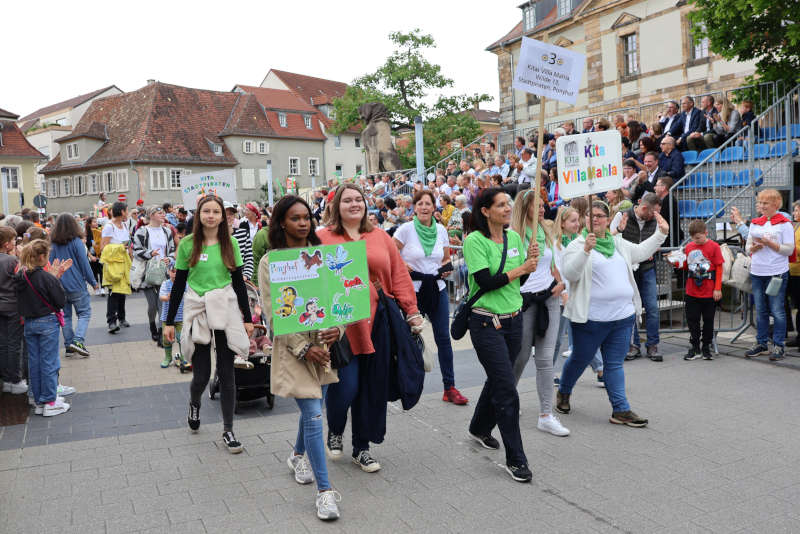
57 50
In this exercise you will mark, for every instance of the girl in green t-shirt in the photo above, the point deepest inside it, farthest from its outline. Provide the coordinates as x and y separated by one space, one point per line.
210 259
495 324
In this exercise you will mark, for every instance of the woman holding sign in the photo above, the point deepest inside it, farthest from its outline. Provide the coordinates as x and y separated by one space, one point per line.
602 306
348 222
209 262
425 248
300 361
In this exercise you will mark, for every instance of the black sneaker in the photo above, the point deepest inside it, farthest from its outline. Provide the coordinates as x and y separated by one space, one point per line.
757 350
562 402
366 462
707 353
334 446
79 348
628 418
520 473
777 354
556 381
487 442
232 444
68 352
693 354
194 417
633 352
113 327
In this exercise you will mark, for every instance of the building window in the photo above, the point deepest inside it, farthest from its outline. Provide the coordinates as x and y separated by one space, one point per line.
72 151
11 177
1 138
699 48
358 142
54 188
175 178
307 121
122 180
564 7
217 149
294 166
247 147
91 184
313 166
108 181
158 179
80 188
337 141
529 17
66 186
630 52
248 178
263 147
338 170
282 119
358 170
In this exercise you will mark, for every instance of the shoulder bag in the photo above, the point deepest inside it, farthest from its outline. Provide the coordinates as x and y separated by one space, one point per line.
58 313
458 328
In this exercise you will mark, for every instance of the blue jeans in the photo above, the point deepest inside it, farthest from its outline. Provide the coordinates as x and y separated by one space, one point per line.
648 291
12 367
597 361
41 335
612 338
341 396
310 440
440 321
83 309
766 306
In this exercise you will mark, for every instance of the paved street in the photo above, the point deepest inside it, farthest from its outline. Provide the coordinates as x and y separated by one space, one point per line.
720 455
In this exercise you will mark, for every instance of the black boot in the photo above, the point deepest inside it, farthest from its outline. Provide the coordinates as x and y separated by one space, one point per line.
794 342
154 332
159 341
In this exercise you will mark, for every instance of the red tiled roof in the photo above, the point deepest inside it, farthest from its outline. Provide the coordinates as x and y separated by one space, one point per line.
309 87
15 144
515 33
168 123
275 100
484 115
278 99
8 115
95 130
71 103
354 129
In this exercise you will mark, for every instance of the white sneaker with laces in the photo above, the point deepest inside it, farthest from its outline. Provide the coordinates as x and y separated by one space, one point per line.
57 407
65 391
300 468
38 409
567 353
326 504
551 424
17 388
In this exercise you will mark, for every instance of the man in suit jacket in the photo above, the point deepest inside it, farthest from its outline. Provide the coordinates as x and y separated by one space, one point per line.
588 125
670 116
689 126
648 175
663 185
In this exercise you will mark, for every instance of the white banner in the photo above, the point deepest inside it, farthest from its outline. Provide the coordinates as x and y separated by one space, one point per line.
589 163
219 183
548 70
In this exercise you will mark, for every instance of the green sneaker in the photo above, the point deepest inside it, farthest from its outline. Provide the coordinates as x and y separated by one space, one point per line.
166 362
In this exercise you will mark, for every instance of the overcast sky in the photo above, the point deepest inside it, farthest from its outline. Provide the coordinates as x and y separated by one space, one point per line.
57 50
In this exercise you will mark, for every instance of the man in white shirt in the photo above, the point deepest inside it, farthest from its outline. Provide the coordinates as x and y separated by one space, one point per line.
669 116
528 173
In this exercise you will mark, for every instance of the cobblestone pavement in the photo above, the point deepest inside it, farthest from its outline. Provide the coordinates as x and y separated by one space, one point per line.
720 455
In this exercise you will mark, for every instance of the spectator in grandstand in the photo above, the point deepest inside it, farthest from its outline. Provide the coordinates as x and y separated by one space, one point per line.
452 169
626 149
447 209
669 210
588 125
656 132
669 116
528 171
648 175
603 125
748 118
500 167
569 128
617 202
705 139
519 145
671 160
635 133
455 223
727 122
645 145
554 200
491 151
689 125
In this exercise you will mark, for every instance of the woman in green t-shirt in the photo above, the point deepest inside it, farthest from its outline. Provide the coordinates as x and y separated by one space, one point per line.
209 259
495 324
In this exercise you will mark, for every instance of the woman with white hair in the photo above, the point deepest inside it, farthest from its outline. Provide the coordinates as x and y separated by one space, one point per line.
455 225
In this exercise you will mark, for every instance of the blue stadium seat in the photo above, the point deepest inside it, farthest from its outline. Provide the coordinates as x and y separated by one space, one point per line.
795 130
766 133
724 178
779 149
761 151
706 208
732 153
686 209
705 153
690 156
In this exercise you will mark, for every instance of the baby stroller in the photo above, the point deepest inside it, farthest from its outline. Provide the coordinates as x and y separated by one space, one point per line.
252 384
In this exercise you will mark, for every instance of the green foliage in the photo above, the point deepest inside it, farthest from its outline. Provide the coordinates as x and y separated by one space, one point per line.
746 30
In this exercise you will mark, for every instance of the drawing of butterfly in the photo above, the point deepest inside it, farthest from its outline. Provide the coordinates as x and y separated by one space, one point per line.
339 262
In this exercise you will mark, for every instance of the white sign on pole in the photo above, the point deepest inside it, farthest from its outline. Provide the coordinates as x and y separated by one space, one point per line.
589 163
219 183
548 70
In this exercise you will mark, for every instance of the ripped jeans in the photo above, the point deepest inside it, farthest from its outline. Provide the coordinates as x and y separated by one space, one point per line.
310 439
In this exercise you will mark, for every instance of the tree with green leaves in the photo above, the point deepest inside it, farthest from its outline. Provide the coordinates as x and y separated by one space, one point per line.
762 30
405 84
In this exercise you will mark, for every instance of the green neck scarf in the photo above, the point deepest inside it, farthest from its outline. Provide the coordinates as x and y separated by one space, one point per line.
605 245
426 234
540 238
567 239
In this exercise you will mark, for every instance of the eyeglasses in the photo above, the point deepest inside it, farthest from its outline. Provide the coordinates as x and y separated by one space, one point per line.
599 216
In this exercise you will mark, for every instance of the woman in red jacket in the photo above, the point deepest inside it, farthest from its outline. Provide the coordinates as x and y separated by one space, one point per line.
348 222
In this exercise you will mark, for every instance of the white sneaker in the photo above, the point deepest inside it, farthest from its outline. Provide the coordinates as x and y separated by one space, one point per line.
326 505
300 468
65 391
57 407
567 353
6 387
15 389
551 424
39 408
241 363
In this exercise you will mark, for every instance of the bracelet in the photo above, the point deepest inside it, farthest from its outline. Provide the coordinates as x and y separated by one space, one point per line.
412 317
302 354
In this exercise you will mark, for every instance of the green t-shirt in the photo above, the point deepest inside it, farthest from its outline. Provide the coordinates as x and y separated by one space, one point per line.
210 272
480 253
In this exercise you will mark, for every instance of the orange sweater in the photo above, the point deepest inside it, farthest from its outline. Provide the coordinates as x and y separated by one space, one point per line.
385 265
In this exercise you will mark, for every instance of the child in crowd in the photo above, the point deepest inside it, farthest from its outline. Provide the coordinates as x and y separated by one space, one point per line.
163 296
703 289
11 361
40 299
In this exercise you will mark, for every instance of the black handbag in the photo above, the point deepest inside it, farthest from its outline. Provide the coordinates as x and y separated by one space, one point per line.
458 328
341 353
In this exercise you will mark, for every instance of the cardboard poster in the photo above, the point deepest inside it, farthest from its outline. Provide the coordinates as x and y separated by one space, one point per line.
548 70
219 183
589 163
318 287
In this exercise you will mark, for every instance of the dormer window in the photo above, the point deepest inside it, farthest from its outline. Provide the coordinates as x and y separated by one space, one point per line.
217 149
307 121
282 119
564 7
72 151
529 17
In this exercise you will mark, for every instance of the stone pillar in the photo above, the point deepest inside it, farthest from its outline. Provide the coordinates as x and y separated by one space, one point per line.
594 60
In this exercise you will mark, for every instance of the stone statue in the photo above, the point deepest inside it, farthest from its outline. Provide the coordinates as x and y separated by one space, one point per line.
377 139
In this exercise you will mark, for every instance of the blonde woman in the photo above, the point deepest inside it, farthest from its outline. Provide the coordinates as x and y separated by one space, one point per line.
541 311
726 123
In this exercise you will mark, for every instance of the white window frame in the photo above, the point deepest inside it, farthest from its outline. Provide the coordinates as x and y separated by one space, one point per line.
337 141
172 178
307 121
92 185
263 147
282 119
66 182
247 146
529 17
217 149
248 178
54 188
72 151
564 7
699 50
79 185
357 141
294 162
122 180
630 57
315 170
18 177
109 186
158 187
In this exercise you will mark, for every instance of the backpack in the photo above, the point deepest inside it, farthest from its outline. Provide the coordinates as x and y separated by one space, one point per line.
727 262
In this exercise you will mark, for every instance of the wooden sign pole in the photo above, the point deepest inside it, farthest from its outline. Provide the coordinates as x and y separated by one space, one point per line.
591 219
537 184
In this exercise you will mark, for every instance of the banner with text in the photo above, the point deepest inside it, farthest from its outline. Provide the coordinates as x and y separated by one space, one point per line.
589 163
219 183
318 287
548 70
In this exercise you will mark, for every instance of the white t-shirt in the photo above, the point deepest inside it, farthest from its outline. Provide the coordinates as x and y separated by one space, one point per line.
253 230
117 235
611 297
415 257
542 277
157 240
767 262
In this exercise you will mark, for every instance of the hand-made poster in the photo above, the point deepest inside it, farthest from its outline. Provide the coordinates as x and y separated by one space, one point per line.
318 287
